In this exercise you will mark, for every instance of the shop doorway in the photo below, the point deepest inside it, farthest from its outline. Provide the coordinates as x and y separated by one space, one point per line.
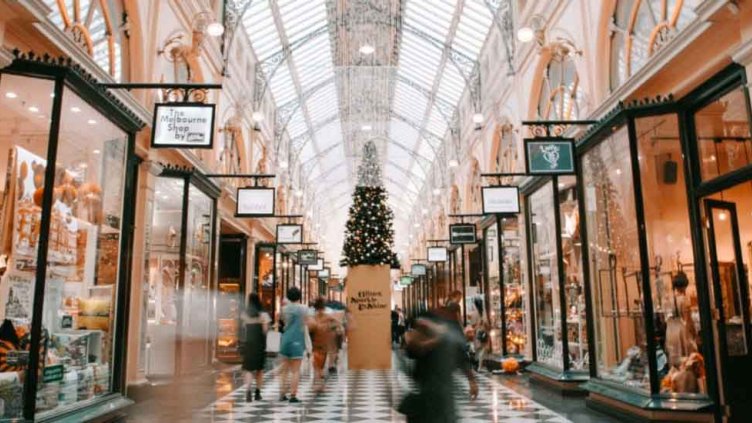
729 293
231 295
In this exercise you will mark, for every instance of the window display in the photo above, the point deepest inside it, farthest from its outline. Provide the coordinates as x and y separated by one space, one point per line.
545 277
614 255
574 294
490 236
515 293
265 277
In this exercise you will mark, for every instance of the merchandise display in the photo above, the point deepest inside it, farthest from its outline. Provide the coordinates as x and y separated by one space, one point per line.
515 292
83 252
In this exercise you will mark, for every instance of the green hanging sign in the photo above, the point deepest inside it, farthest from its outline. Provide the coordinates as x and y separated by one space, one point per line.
550 156
406 280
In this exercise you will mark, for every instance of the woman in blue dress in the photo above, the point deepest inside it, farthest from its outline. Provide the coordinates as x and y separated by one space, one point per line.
292 345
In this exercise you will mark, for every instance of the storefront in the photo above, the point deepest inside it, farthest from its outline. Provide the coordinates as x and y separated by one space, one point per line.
231 298
559 341
506 291
180 325
667 191
66 249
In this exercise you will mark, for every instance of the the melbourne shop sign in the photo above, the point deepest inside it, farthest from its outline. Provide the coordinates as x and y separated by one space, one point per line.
550 156
369 300
183 125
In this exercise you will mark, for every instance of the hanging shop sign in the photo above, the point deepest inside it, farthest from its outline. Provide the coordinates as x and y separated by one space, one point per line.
501 200
418 270
462 233
324 273
255 202
183 125
437 254
319 265
550 156
308 257
290 233
406 280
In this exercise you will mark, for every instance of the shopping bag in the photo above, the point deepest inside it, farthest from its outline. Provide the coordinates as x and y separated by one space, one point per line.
273 339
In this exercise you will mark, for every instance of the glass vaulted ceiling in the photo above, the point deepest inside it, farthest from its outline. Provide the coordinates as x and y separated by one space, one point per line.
423 82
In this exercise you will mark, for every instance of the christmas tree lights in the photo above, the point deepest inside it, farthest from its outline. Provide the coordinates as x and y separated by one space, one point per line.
369 237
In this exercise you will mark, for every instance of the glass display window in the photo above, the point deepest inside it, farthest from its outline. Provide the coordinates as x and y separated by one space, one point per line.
515 293
573 284
64 186
614 254
545 277
180 321
490 236
264 278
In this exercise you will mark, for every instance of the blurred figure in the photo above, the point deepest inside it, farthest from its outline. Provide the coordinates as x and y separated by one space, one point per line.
437 345
400 327
395 325
482 327
254 352
293 345
323 328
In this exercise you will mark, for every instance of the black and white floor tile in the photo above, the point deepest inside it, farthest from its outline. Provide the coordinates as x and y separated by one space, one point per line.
371 396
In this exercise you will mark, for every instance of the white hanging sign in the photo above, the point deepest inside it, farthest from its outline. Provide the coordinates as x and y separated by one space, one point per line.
183 125
255 202
291 233
501 200
437 254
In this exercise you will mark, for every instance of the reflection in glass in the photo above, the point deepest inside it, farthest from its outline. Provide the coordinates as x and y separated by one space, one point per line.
545 277
723 135
621 349
494 286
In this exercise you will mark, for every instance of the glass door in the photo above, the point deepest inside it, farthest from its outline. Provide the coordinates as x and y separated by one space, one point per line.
730 299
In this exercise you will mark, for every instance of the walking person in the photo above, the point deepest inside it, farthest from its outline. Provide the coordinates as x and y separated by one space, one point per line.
323 329
254 352
482 328
292 347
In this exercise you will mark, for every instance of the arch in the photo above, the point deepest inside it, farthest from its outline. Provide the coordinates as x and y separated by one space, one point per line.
93 28
472 194
639 32
559 92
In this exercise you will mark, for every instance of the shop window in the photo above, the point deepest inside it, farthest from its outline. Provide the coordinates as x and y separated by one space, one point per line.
560 93
723 136
640 29
95 26
25 107
545 277
83 255
494 285
672 279
571 251
613 250
515 297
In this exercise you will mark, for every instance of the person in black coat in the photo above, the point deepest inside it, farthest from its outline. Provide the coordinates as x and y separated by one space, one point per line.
254 353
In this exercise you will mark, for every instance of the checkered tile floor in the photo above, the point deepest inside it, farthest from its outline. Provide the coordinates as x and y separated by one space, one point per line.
371 396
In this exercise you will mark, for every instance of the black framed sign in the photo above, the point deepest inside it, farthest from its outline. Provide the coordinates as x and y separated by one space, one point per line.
308 257
324 273
437 254
290 233
501 200
550 156
183 125
255 202
418 270
319 265
406 280
462 233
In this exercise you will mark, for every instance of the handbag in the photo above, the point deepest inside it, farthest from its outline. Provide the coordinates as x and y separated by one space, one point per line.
273 339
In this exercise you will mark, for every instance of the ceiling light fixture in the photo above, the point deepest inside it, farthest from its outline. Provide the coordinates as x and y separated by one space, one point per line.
258 116
75 109
91 122
454 163
215 29
525 34
33 109
478 118
366 128
299 193
283 164
437 191
367 49
11 94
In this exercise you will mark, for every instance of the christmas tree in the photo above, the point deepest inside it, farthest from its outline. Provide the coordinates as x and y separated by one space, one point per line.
369 237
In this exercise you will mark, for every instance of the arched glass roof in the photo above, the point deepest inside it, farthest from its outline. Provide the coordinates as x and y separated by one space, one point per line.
332 95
